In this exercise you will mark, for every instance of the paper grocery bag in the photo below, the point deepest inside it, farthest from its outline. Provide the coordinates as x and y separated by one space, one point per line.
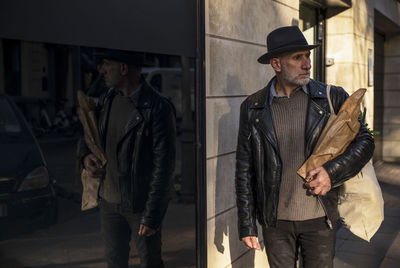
90 191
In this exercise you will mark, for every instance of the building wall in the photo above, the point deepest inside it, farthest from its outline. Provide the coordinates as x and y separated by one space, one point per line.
379 41
235 37
391 96
34 66
350 34
234 40
388 23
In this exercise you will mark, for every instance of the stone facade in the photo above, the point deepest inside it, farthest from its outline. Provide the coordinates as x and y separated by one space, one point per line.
391 105
387 21
235 37
234 41
349 36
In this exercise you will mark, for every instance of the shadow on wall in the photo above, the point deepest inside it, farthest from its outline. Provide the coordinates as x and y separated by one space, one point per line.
224 185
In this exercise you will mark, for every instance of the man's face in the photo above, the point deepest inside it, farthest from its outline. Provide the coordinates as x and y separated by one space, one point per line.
295 67
111 71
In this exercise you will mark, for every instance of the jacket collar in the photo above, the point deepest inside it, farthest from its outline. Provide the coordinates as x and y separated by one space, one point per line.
143 101
317 90
141 98
145 98
261 99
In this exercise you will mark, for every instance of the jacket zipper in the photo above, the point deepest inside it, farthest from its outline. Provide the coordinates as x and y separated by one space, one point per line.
135 157
279 170
328 221
258 140
314 125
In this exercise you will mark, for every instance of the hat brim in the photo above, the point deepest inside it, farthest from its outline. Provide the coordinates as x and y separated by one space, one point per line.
264 59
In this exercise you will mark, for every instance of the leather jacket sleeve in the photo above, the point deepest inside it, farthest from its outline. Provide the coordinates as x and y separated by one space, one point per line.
244 176
357 154
163 142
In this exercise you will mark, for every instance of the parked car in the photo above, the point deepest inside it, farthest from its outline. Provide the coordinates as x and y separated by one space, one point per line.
26 188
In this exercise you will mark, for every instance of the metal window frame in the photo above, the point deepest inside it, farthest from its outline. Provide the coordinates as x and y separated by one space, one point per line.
319 59
201 189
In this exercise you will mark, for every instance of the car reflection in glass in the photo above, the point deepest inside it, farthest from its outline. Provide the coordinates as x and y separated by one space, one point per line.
26 189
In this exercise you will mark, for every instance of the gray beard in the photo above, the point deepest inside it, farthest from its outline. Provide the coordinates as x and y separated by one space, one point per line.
293 81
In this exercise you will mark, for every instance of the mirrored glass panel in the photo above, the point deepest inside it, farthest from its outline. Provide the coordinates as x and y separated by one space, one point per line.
144 109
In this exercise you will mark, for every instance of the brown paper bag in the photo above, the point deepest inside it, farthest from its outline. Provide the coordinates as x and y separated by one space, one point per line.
338 133
90 191
87 115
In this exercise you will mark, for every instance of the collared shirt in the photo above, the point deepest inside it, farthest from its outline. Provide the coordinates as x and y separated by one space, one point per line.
273 94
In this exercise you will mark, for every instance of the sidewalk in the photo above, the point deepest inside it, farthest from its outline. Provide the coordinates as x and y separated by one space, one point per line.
384 249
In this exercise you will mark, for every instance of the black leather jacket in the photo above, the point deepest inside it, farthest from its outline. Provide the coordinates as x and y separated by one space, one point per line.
149 141
258 163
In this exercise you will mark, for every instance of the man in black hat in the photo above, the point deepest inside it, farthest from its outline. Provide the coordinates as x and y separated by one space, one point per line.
279 127
137 127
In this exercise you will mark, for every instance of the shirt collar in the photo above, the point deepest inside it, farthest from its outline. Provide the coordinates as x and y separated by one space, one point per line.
134 96
272 91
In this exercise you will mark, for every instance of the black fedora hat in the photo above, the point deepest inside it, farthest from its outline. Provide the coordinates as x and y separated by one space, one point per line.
284 39
128 57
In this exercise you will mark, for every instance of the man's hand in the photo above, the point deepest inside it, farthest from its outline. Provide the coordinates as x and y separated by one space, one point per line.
147 231
320 182
91 163
251 242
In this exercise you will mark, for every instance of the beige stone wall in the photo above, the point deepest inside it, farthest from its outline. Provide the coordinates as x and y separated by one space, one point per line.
235 38
33 67
2 90
391 95
349 36
391 79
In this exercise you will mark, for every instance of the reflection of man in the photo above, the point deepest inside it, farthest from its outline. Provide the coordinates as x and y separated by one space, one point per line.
137 126
279 127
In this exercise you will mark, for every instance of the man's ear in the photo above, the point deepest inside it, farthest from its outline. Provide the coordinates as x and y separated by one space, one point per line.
276 64
124 68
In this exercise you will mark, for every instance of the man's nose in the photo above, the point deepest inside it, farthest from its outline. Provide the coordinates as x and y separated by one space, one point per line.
306 64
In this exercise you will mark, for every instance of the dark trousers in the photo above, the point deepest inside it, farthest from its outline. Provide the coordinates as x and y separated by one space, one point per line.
118 226
314 238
